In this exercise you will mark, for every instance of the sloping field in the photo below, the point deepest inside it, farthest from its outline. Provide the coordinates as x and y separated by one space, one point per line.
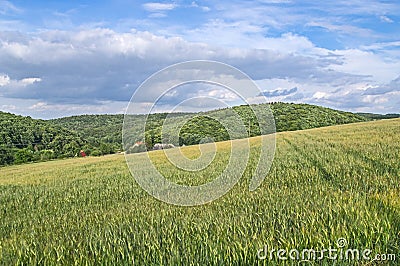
326 184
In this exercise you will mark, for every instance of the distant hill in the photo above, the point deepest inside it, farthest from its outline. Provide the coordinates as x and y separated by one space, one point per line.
378 116
288 117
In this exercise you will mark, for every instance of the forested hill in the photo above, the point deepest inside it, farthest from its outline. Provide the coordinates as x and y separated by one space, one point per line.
23 139
290 116
96 129
107 128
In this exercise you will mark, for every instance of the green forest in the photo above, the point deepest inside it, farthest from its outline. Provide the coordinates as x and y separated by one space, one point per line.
23 139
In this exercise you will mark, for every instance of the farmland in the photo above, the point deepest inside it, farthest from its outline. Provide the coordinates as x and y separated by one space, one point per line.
324 184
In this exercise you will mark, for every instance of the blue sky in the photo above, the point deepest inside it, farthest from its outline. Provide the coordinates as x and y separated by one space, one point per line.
60 58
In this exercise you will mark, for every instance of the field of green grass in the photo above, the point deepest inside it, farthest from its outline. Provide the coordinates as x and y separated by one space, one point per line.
324 184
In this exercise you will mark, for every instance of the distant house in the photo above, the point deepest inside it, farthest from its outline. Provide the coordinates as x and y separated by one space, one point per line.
163 146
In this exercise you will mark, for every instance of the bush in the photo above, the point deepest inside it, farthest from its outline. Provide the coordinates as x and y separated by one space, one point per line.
23 156
95 152
106 148
46 155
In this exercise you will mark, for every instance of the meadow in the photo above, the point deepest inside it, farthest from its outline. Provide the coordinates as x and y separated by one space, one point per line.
324 184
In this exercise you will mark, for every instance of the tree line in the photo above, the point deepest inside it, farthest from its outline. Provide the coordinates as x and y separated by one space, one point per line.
23 139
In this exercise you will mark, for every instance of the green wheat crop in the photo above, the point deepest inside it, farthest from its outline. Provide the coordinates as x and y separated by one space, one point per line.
324 184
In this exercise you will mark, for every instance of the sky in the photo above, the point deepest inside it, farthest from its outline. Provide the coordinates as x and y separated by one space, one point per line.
62 58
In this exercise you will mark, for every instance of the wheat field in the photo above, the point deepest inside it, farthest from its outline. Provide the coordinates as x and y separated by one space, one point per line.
324 184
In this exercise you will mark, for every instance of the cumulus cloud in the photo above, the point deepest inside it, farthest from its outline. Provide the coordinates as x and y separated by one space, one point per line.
358 62
46 110
96 66
360 98
29 81
4 80
101 64
279 92
393 86
199 94
7 82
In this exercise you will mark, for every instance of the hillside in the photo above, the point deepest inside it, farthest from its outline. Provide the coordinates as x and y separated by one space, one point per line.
106 129
23 139
95 129
325 184
288 117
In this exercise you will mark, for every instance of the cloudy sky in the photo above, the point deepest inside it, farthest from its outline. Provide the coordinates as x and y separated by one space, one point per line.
60 58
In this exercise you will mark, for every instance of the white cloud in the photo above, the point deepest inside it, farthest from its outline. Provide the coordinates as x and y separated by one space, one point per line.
360 98
88 67
342 28
41 109
357 7
320 95
380 46
386 19
375 99
204 8
40 106
4 80
279 43
247 36
29 81
359 62
7 7
276 1
221 94
100 62
8 107
157 7
157 15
